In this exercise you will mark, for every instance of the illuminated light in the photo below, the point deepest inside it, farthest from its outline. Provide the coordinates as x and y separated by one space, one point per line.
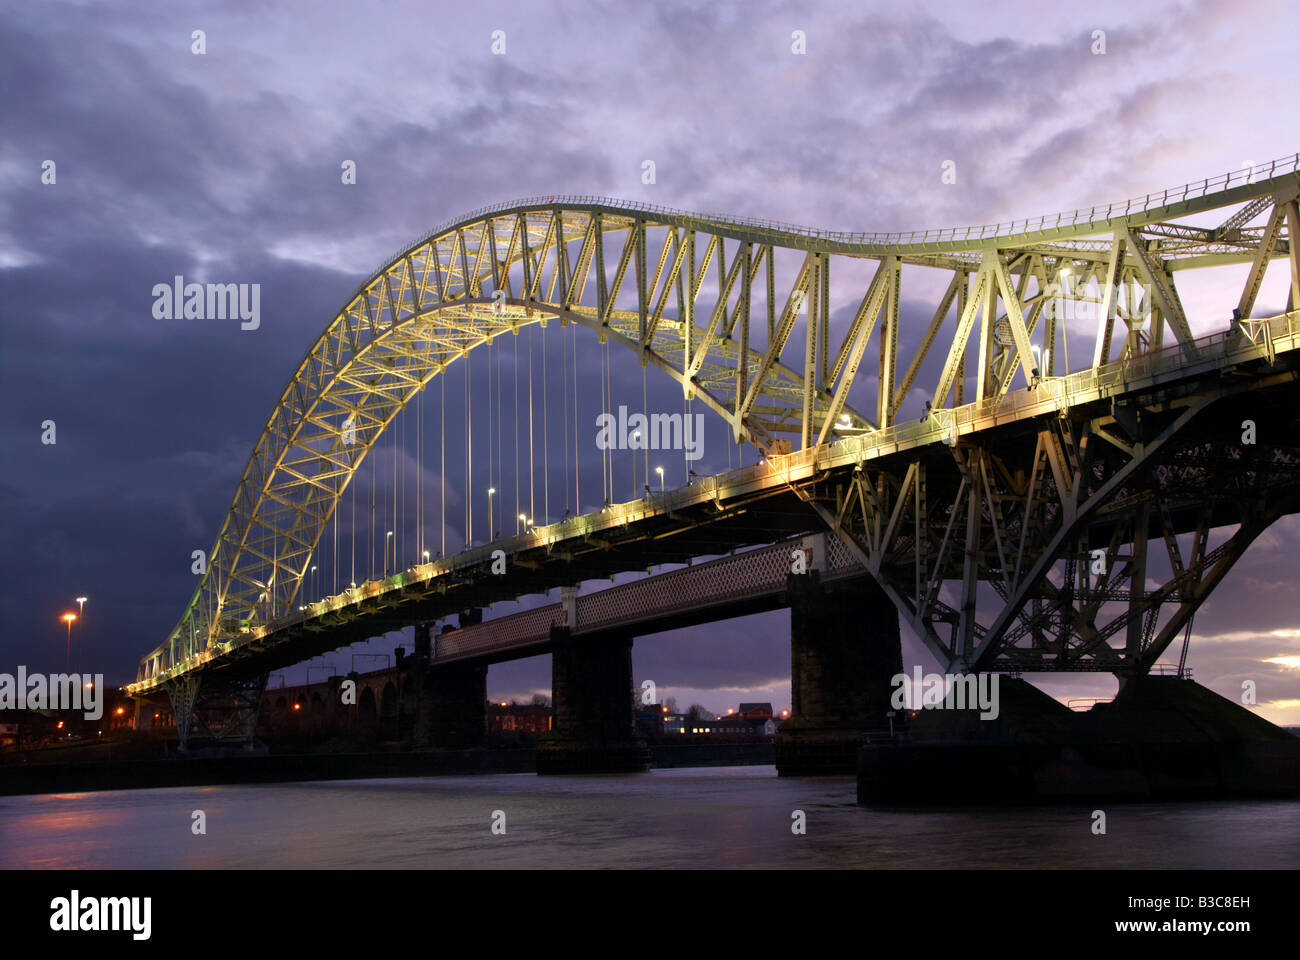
665 709
60 726
297 706
120 711
69 617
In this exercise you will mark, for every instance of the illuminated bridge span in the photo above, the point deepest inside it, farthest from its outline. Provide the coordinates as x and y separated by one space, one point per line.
1000 496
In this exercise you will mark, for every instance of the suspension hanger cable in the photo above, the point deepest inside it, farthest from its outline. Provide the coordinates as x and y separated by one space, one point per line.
645 411
336 547
546 443
419 474
353 524
396 528
606 452
469 456
442 465
564 395
373 461
516 425
531 470
609 409
577 497
501 456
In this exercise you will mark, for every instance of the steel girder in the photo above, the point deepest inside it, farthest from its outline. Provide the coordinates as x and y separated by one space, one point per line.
224 710
640 275
1051 527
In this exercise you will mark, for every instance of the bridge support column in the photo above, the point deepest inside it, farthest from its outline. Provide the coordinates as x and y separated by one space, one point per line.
184 695
844 650
452 712
591 693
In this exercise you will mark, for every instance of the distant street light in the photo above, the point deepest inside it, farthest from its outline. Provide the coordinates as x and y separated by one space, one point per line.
523 518
660 471
491 535
81 612
67 654
390 533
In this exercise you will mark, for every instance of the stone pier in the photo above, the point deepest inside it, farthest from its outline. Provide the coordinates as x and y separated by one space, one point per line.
591 694
844 650
451 711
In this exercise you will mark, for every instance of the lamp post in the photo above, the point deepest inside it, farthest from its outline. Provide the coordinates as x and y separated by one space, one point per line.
81 612
491 528
660 471
636 438
523 519
390 533
67 653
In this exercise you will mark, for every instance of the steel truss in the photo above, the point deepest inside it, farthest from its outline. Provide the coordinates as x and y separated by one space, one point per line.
1052 526
215 709
714 302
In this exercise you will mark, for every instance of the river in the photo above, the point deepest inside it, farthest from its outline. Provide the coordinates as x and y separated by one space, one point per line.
727 817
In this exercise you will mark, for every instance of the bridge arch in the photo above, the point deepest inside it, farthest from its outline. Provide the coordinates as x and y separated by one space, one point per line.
426 309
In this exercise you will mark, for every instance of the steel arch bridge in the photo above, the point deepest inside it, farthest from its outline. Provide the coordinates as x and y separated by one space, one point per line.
714 303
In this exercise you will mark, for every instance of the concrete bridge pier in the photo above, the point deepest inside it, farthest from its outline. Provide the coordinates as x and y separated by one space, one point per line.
844 651
593 730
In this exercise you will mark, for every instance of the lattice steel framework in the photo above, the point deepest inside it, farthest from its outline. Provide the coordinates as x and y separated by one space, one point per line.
714 302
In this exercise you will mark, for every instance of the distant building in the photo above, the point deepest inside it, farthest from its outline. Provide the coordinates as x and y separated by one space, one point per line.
735 725
518 718
755 711
655 721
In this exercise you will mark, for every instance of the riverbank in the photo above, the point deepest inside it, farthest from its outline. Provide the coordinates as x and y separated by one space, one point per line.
194 771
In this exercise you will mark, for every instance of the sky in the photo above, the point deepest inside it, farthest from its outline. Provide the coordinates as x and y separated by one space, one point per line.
225 166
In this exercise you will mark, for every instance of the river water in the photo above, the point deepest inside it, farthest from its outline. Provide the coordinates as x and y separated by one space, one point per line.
674 818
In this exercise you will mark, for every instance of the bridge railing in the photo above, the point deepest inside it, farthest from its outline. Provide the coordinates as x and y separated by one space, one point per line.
1072 218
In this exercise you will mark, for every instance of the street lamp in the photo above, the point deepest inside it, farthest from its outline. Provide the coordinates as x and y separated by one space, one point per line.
67 653
523 518
390 533
660 471
313 581
636 438
81 612
491 536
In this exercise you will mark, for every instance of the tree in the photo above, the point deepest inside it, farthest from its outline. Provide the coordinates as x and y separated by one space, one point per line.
541 700
697 712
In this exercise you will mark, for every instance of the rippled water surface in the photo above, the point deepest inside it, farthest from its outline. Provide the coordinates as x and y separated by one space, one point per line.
675 818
